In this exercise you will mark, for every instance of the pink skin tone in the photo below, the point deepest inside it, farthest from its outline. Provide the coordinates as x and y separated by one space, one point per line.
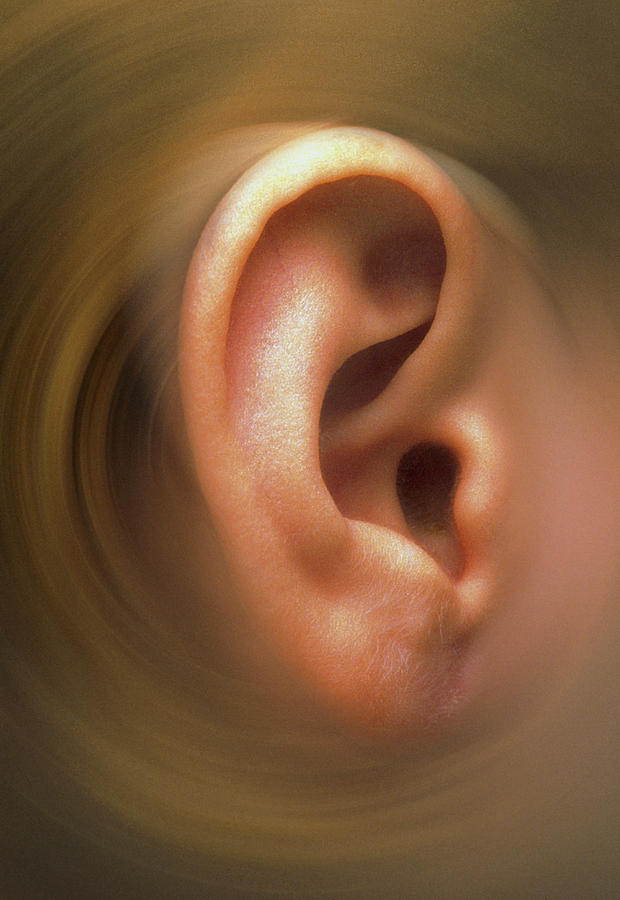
404 609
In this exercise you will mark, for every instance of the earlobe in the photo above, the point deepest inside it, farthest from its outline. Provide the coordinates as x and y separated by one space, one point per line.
332 357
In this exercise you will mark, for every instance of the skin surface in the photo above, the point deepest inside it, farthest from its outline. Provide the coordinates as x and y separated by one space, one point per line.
397 619
309 468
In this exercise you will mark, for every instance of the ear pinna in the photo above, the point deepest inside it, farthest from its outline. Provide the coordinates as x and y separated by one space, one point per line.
333 361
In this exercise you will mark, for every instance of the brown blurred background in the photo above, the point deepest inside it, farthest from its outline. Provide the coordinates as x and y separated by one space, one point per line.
134 763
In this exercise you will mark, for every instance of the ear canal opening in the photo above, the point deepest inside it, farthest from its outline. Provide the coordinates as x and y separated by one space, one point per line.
426 483
366 374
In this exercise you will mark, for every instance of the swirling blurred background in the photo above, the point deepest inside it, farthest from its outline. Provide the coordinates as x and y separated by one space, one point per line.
136 761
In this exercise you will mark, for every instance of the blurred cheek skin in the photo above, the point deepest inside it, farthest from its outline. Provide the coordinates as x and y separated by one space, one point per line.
547 627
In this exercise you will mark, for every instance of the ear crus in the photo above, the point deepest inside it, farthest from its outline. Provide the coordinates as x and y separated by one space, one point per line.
332 362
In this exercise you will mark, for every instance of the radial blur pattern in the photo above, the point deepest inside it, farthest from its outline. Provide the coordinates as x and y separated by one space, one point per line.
137 762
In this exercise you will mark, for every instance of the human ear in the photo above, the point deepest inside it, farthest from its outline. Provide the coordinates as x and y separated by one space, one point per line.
340 339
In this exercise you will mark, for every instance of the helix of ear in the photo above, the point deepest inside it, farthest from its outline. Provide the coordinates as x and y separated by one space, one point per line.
332 369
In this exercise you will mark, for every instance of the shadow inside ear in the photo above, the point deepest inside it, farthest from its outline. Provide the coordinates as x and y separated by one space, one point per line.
426 484
367 373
